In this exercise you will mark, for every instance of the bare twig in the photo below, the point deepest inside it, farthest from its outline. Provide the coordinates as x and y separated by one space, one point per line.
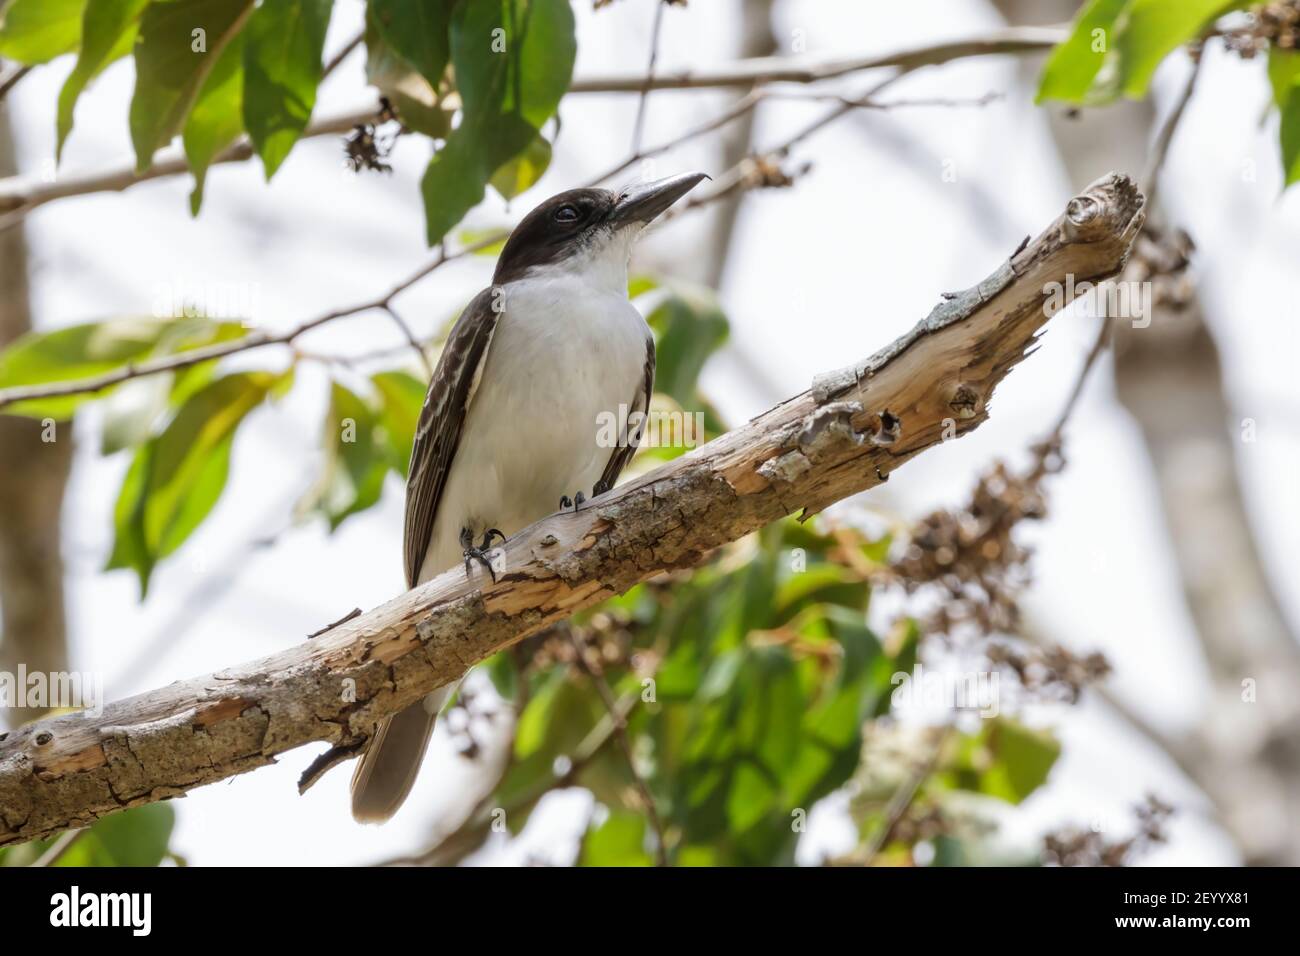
905 796
411 340
785 69
254 340
470 835
19 195
620 732
10 81
649 76
59 848
342 55
1160 148
262 338
1156 161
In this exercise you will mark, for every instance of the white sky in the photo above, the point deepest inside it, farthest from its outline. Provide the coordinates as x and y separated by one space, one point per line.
827 271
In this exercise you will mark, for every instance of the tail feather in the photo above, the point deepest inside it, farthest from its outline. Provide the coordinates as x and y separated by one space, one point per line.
387 770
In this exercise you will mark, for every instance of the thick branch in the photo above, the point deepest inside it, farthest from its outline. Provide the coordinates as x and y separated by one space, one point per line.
846 434
19 196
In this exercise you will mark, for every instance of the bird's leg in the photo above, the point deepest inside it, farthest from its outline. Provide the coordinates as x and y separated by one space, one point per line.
575 502
479 553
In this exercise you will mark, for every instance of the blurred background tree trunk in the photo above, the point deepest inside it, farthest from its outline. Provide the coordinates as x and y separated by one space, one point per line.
1168 376
33 474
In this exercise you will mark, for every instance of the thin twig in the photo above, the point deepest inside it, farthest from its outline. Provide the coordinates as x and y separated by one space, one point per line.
649 76
262 338
1150 181
1160 148
20 195
733 112
620 732
1098 346
254 340
470 834
411 340
342 55
904 797
56 850
355 612
9 82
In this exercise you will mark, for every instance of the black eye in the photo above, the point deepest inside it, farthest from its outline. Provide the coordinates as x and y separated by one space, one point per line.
566 214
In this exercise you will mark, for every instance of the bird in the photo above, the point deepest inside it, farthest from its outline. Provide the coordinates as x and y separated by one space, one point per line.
508 431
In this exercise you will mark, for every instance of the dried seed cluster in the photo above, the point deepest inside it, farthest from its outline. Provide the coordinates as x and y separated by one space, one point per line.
1049 672
1163 260
1073 846
1274 24
971 558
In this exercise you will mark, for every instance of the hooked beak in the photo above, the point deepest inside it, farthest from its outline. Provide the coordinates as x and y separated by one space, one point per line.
642 202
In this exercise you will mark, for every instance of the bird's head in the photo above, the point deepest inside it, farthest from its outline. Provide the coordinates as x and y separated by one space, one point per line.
588 231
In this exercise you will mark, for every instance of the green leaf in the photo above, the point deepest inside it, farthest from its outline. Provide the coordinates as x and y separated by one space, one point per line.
1153 30
1283 74
175 479
619 841
413 98
108 32
282 67
129 548
71 353
216 120
135 837
131 411
1290 140
513 61
355 464
180 43
181 486
418 31
1074 64
522 172
1007 760
401 397
750 797
36 31
94 348
689 327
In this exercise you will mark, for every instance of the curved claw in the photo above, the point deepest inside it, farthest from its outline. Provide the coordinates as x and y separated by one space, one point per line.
575 502
479 553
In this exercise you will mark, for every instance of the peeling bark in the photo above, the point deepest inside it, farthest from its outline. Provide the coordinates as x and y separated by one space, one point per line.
843 436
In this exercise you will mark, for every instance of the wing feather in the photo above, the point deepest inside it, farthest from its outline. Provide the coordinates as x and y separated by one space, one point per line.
441 419
640 402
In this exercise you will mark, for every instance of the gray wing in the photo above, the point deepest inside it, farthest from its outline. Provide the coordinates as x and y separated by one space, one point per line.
640 402
438 432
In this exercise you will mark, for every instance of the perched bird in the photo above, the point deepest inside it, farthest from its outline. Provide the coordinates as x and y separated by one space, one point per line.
509 428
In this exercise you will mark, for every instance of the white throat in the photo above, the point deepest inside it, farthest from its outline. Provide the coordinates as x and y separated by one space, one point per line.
600 264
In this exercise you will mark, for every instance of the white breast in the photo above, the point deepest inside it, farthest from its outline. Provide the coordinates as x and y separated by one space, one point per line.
568 347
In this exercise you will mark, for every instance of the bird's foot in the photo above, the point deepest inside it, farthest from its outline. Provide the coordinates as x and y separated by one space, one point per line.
480 552
575 502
